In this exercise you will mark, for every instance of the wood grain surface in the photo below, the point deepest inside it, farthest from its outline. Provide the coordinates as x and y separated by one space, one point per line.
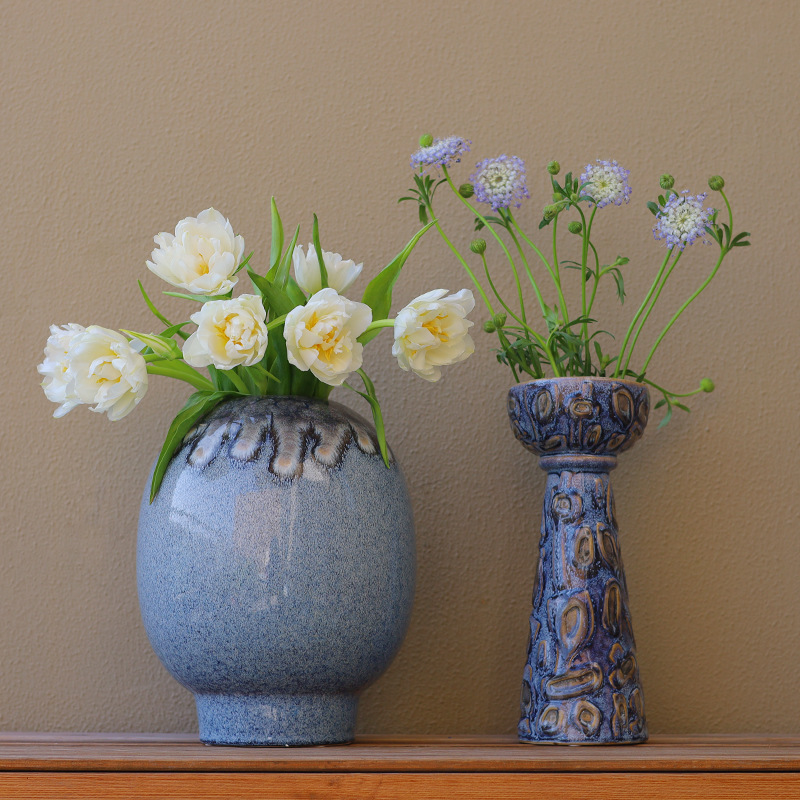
142 766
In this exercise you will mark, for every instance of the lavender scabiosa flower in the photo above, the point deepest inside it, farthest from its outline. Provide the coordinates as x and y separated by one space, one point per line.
441 153
683 219
500 182
608 183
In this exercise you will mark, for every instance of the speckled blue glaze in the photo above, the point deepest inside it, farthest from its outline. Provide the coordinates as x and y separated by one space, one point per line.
276 569
581 679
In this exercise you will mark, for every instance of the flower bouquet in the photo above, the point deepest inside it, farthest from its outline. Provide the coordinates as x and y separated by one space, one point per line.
585 398
275 558
298 336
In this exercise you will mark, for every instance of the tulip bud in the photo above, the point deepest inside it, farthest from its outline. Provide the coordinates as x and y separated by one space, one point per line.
707 385
466 190
575 226
716 182
426 140
554 167
666 181
478 246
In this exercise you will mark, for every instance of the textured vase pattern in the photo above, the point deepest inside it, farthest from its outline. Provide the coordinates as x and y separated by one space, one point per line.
276 569
581 680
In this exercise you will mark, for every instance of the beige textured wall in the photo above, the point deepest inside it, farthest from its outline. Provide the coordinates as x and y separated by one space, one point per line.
119 118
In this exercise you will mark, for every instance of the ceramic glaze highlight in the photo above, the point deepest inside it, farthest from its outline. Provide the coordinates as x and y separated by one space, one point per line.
276 569
581 680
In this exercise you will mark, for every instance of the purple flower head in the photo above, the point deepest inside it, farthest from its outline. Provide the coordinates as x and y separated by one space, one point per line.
608 183
500 182
441 153
683 219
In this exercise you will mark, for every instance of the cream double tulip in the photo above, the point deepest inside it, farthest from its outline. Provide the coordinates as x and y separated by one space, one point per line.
201 257
93 365
322 336
341 273
431 332
230 333
55 367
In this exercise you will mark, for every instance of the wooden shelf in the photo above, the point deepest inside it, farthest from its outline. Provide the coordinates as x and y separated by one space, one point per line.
140 766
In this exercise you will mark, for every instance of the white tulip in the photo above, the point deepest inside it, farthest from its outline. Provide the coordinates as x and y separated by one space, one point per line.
322 335
431 331
106 370
230 333
201 256
55 368
341 273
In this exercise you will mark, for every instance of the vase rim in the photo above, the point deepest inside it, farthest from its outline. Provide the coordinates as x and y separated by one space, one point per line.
595 378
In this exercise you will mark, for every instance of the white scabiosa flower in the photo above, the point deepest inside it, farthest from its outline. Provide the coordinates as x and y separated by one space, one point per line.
431 332
341 273
230 333
322 336
201 257
682 220
55 368
608 183
106 370
500 182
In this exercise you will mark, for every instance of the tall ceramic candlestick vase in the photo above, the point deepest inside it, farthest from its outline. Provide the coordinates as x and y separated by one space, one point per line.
581 680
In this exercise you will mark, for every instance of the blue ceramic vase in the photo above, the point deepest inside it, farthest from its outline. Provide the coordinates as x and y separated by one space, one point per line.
276 569
581 680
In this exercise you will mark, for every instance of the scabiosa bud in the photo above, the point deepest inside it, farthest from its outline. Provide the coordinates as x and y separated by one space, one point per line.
440 153
500 182
716 182
608 183
548 212
666 181
554 167
575 227
426 140
707 385
495 323
683 220
466 190
478 246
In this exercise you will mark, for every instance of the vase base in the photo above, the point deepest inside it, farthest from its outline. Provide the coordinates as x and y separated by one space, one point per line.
593 743
277 720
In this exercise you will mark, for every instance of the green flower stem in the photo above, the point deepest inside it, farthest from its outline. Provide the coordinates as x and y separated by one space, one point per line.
379 323
477 213
556 265
730 213
587 232
667 393
464 264
683 308
527 328
516 275
276 322
539 253
597 274
640 311
649 310
530 331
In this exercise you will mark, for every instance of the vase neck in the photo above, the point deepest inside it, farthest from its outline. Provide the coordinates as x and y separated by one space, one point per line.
577 462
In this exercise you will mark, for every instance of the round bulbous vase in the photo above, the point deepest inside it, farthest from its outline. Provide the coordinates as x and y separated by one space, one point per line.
581 679
276 569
